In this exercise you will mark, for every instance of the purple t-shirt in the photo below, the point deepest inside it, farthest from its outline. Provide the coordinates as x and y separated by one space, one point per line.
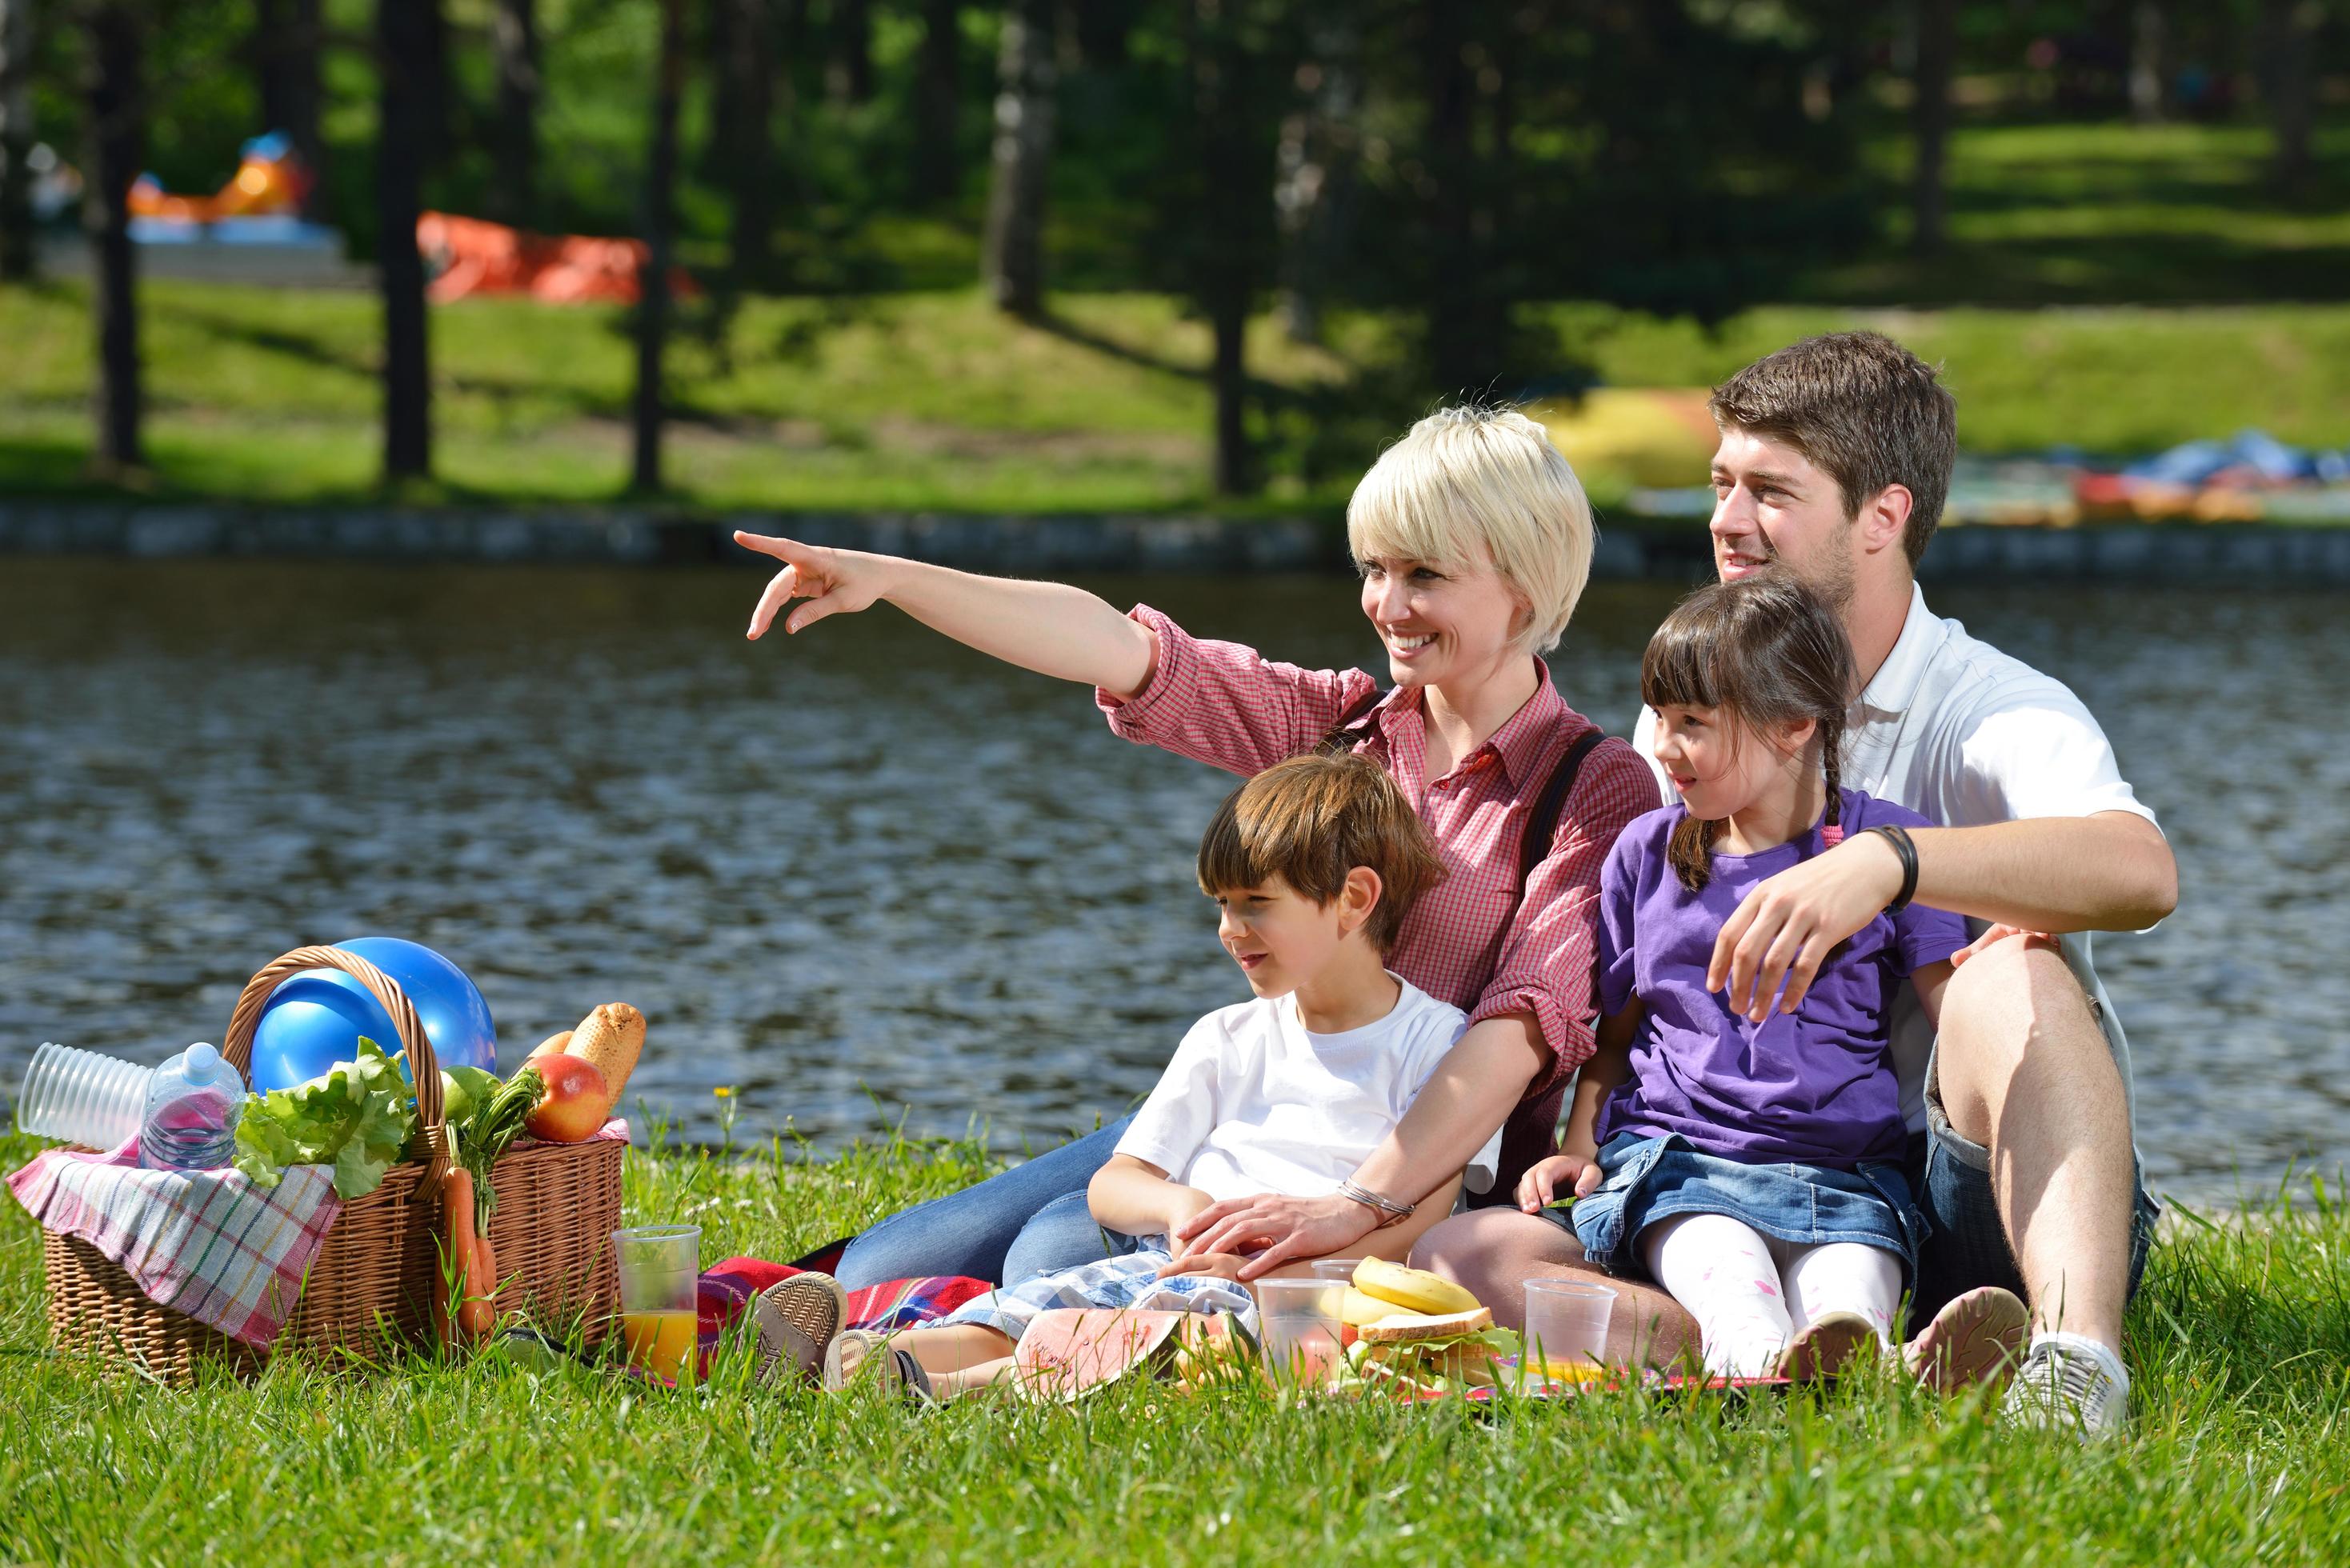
1814 1087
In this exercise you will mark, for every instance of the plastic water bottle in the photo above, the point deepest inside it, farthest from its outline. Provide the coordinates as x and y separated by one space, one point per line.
192 1105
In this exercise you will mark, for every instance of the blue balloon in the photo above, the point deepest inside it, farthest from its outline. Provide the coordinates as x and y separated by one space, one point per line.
315 1019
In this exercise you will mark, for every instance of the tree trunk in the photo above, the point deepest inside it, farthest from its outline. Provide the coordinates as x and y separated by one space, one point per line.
938 102
286 37
2149 68
1230 184
117 125
849 77
653 302
513 53
1930 122
18 260
2288 34
1105 33
1467 302
406 66
1314 179
1012 259
745 37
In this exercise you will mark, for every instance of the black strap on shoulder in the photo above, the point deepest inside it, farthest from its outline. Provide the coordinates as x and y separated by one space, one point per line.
1543 825
1353 725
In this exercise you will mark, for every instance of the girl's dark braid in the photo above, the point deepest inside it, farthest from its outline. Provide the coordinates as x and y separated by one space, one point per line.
1832 759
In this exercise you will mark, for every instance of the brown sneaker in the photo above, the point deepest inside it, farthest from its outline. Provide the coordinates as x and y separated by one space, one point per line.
1975 1338
797 1320
1828 1344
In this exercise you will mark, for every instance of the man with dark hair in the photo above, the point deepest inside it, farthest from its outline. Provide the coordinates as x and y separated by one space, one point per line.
1833 463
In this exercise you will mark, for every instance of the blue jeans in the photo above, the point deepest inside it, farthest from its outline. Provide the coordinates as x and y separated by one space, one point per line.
1025 1220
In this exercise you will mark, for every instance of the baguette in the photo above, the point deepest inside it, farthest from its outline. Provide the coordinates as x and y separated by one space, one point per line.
553 1045
610 1039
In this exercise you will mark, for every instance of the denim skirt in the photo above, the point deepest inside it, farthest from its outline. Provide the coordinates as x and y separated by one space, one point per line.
1647 1180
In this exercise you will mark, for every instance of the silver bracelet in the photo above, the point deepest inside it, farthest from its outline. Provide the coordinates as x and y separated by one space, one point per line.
1390 1211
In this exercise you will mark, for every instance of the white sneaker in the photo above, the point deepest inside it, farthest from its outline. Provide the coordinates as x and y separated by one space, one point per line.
2077 1387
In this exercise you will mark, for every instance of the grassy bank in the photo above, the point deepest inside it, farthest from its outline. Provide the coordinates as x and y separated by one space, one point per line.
934 400
2241 1343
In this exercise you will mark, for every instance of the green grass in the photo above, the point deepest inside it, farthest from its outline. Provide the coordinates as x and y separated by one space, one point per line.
2109 213
2240 1345
936 401
2121 379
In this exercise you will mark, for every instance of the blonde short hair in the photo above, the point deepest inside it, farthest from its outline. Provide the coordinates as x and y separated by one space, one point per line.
1483 487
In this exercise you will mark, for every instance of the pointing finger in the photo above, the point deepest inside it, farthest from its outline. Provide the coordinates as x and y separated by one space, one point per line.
778 593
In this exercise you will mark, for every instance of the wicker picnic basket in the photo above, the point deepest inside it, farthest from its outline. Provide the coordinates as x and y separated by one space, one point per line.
379 1269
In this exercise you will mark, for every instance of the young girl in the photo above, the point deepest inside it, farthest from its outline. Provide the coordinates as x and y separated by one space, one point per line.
1751 1165
1314 865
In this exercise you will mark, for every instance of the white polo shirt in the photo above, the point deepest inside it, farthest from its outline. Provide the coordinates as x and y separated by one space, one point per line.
1965 736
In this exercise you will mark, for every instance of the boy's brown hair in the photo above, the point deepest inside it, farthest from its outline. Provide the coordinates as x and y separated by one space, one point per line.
1311 820
1865 409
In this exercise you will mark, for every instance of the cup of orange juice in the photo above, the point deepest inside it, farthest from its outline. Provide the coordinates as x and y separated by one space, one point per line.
660 1266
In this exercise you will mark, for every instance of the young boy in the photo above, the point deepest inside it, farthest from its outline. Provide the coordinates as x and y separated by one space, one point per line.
1312 864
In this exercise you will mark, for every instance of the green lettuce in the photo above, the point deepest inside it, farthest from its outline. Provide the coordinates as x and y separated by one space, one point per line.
357 1116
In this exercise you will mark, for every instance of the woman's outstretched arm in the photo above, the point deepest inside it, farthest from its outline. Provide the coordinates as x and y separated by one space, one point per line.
1050 627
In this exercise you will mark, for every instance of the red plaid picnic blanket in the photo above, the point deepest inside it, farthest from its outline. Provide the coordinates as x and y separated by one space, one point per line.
207 1244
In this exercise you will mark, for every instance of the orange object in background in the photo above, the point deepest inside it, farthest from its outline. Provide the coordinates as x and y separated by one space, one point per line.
269 180
470 256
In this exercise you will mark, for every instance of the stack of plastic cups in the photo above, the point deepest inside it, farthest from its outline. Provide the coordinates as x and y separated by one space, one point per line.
81 1097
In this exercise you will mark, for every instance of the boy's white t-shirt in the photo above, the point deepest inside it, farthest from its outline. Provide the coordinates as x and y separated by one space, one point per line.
1254 1102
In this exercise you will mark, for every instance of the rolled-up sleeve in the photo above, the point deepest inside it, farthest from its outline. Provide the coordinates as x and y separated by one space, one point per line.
1227 705
1547 953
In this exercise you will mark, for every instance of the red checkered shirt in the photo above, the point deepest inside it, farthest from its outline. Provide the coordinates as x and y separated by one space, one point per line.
1471 940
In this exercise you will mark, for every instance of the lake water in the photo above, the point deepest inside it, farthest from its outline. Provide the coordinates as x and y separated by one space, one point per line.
871 879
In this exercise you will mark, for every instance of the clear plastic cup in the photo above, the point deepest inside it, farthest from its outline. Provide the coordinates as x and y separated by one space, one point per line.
82 1097
660 1268
1339 1269
1567 1327
1301 1324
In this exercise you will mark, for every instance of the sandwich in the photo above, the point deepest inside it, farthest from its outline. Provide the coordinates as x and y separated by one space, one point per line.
1415 1333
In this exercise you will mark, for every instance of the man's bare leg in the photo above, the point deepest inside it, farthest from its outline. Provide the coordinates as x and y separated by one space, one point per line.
2025 1071
1492 1252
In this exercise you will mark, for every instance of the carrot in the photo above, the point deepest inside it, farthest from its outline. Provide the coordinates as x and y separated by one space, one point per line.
478 1314
469 1271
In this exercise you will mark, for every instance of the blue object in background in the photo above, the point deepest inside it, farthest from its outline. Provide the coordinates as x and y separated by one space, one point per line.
315 1019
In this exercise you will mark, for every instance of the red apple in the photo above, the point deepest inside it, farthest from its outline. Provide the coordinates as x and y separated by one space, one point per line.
573 1104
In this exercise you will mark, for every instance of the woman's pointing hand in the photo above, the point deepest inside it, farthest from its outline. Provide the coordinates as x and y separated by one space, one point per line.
833 582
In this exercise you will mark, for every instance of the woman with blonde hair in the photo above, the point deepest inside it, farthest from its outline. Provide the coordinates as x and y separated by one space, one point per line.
1473 540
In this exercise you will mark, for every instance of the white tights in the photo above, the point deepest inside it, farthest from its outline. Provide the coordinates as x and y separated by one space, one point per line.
1751 1294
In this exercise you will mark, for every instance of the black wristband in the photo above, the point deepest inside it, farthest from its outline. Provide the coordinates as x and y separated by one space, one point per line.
1899 839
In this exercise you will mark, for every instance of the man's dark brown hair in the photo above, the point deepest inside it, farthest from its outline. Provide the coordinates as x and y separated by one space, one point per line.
1311 820
1863 410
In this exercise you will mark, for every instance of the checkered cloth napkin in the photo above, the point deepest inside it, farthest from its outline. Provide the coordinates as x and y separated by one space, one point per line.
207 1244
